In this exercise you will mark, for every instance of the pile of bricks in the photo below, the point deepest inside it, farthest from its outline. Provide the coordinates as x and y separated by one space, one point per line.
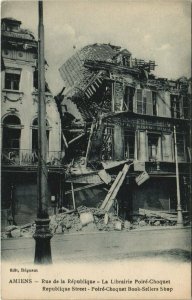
83 219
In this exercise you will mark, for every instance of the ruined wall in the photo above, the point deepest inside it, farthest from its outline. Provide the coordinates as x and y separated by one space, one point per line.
118 96
91 197
72 109
151 195
164 104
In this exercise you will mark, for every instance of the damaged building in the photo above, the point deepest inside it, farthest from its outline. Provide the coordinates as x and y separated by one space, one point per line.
19 122
118 123
110 132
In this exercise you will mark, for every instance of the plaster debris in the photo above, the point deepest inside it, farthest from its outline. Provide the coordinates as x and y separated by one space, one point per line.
16 233
86 220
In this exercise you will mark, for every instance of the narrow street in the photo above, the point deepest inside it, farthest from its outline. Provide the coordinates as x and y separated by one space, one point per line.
169 244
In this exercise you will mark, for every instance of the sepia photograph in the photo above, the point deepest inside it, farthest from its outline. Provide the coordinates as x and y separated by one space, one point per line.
96 149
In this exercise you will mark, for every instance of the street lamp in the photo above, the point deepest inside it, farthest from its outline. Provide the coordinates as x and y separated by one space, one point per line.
179 209
42 233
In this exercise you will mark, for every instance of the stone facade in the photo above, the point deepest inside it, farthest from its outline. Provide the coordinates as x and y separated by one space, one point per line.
22 101
19 121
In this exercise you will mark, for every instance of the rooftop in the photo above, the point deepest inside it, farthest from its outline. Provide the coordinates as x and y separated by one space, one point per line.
10 28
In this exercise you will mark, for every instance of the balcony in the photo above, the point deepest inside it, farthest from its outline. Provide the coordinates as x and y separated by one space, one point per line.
26 157
163 167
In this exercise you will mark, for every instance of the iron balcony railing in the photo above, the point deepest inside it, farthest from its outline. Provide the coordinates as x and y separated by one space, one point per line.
166 167
26 157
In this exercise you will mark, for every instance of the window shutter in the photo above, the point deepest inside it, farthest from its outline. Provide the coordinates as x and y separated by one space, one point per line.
149 102
118 96
180 147
139 101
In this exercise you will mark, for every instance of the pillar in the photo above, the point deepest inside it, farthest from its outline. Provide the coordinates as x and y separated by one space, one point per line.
118 142
142 146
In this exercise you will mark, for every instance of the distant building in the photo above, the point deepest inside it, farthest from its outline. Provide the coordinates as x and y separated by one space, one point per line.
133 114
19 121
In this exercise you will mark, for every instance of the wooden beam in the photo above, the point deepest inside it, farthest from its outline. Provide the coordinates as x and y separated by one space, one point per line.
65 141
73 196
152 213
109 199
84 188
76 138
89 142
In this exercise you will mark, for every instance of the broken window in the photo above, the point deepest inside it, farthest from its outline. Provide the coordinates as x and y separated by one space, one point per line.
147 94
128 98
154 101
141 102
186 108
12 79
126 61
145 101
129 144
11 137
153 146
35 81
181 153
117 98
107 145
35 135
175 106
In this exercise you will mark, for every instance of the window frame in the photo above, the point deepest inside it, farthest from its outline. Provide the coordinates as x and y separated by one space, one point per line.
175 102
12 79
154 103
129 98
128 135
158 136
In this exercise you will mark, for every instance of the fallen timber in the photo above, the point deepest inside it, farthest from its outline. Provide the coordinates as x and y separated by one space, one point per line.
111 195
152 213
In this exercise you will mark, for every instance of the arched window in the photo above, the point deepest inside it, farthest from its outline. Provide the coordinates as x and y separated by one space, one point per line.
11 132
35 134
11 120
35 122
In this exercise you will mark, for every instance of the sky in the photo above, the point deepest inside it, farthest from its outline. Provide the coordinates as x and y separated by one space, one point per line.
157 30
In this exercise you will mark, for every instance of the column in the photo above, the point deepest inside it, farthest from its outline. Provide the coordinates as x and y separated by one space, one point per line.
142 146
118 142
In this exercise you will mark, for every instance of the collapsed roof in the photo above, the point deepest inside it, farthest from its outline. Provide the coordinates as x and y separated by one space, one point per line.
87 75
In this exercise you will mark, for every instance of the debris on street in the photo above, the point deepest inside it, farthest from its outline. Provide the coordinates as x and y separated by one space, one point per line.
91 219
84 219
158 217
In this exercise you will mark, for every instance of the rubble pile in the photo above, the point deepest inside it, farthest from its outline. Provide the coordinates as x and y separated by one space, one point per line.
86 219
83 219
64 222
154 221
151 221
14 231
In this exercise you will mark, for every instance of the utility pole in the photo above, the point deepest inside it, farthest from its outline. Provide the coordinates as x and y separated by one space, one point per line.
179 209
42 234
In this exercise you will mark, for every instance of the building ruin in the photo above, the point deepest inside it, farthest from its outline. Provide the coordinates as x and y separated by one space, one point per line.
115 111
109 132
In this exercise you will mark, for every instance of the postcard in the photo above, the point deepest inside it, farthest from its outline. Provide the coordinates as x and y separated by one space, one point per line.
96 149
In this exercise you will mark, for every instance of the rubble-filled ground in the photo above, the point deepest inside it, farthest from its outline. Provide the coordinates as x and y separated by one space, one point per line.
86 219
